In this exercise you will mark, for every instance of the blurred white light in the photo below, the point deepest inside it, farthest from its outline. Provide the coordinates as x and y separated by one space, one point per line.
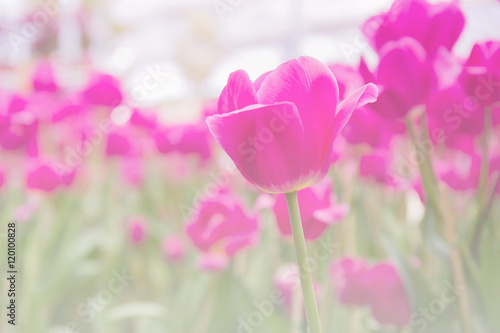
121 115
123 58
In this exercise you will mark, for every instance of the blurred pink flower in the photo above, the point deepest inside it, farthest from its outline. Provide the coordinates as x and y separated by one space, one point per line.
318 210
118 144
173 248
481 73
220 226
2 178
42 177
43 77
103 89
348 275
379 287
185 139
287 283
432 25
280 129
386 295
137 230
406 76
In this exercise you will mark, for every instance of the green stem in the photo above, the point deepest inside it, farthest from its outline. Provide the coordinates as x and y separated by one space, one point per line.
306 281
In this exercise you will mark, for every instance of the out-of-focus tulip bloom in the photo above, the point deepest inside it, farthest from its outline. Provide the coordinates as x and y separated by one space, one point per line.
137 230
103 90
462 173
386 295
365 126
141 119
379 287
287 283
280 129
132 170
481 73
376 165
348 275
185 139
220 227
2 178
406 77
43 78
432 25
118 144
173 248
43 177
318 210
18 127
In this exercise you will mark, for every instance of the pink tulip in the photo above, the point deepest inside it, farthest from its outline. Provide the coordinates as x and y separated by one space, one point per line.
2 178
103 89
137 230
118 144
481 73
173 248
132 170
432 25
348 277
377 166
43 78
287 283
43 177
219 226
379 287
280 129
365 126
318 210
407 78
19 127
463 173
185 139
386 295
142 119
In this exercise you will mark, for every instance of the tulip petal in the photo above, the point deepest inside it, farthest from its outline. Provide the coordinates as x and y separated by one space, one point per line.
362 96
312 87
237 94
265 142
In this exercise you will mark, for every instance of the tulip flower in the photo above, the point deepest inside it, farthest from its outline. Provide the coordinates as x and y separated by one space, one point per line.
280 130
173 248
318 210
432 25
137 230
103 89
43 178
386 295
348 276
2 178
379 287
185 139
220 227
43 78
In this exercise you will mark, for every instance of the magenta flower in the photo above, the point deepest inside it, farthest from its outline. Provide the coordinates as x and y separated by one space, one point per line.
220 227
43 178
118 144
184 139
406 77
103 89
348 276
318 210
173 248
379 287
43 78
432 25
137 230
481 73
386 295
279 130
2 178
